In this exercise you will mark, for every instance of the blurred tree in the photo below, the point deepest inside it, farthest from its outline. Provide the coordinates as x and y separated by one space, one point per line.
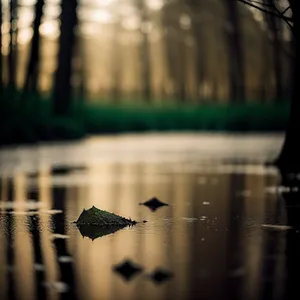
1 57
235 52
62 85
289 158
275 29
144 50
116 63
175 49
13 34
197 27
265 70
31 77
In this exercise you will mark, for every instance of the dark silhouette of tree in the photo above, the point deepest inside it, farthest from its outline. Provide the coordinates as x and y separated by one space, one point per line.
1 57
288 160
31 78
235 53
12 53
264 74
275 28
62 86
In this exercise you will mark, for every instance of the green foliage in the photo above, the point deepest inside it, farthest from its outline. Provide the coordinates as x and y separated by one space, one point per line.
29 118
233 117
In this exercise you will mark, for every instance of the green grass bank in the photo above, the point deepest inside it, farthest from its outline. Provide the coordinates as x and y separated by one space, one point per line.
30 120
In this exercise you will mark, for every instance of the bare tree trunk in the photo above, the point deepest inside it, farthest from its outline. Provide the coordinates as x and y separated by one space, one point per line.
264 76
62 88
197 26
200 59
181 71
235 53
31 77
145 59
12 44
289 158
116 65
274 25
144 53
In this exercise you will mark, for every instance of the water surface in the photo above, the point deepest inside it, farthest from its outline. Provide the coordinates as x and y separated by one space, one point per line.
224 234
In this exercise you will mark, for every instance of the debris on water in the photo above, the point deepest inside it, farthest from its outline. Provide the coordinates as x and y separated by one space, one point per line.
39 267
95 223
23 213
65 259
60 236
203 218
95 216
28 205
127 269
189 219
160 275
51 211
281 189
276 227
154 204
206 203
58 286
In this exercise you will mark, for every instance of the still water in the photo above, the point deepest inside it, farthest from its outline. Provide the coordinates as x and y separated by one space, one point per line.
224 234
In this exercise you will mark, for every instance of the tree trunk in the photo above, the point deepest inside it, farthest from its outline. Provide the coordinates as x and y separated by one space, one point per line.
12 44
274 25
62 88
116 65
200 59
144 54
235 53
145 60
289 158
181 70
197 27
33 64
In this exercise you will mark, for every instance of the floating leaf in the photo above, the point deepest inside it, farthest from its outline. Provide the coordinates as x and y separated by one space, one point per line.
154 204
127 269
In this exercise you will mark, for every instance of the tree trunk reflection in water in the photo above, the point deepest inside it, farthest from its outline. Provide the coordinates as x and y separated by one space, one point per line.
66 269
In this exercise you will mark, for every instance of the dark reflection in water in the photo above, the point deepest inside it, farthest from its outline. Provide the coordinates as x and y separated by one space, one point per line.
291 200
59 242
224 234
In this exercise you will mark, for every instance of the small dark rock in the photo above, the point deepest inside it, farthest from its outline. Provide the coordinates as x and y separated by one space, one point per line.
159 275
127 269
154 204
